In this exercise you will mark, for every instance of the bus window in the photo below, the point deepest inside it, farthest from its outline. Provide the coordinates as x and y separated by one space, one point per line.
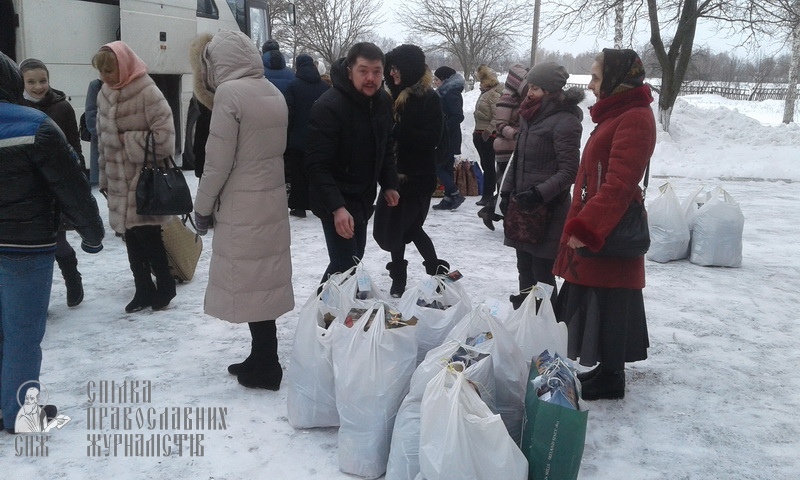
237 8
258 26
207 9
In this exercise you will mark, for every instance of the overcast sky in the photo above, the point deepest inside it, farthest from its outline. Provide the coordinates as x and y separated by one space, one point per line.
706 35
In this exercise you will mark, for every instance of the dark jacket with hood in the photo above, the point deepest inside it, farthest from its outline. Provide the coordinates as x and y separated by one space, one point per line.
56 106
546 159
276 71
39 174
453 108
300 95
347 152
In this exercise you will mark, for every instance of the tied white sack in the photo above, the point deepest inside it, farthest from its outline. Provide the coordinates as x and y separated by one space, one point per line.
717 233
434 324
669 231
404 452
310 394
460 437
510 373
372 370
536 330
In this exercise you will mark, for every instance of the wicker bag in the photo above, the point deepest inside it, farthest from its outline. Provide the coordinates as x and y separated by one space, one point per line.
183 247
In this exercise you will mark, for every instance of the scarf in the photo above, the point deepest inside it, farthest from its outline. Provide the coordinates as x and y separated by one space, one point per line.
129 64
530 107
614 105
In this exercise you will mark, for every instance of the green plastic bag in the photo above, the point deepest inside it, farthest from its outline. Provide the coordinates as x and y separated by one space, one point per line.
552 437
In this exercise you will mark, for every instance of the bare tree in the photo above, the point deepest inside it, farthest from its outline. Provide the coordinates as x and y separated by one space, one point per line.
473 31
328 28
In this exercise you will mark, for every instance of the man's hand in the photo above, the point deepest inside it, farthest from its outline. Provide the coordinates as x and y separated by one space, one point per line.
392 197
343 221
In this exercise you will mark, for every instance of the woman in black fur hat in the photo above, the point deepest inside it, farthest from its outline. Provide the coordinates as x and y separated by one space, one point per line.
416 133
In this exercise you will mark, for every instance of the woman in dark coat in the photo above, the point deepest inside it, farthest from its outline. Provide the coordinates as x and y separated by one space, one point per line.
41 96
416 132
300 95
543 168
450 87
601 298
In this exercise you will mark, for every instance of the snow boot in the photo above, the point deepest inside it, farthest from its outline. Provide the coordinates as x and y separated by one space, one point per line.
604 385
72 279
398 272
165 282
145 289
585 376
436 267
266 372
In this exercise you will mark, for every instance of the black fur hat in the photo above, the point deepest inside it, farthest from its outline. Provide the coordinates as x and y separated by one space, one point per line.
409 60
443 73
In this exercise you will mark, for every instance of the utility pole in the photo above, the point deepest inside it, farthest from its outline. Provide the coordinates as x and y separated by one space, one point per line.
535 33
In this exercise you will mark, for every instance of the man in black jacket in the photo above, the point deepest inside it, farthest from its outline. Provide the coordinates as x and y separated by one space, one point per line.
39 178
349 153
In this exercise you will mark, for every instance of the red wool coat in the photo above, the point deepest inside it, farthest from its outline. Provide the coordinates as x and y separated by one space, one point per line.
613 162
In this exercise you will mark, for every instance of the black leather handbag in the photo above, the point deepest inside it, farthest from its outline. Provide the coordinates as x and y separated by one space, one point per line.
161 190
631 237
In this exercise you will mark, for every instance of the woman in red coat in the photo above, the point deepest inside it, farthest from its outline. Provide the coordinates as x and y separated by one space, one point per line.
601 298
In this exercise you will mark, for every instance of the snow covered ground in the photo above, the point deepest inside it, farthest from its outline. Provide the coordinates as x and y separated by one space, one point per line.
717 399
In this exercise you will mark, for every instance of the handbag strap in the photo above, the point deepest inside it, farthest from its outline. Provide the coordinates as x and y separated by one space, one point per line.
599 165
150 150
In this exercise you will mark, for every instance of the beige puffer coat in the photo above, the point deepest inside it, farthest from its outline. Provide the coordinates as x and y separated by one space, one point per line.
243 186
133 110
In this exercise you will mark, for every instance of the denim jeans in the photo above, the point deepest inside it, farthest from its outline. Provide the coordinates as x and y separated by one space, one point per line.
25 282
345 252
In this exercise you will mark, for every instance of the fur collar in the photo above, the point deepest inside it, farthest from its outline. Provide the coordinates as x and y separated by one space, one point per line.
203 94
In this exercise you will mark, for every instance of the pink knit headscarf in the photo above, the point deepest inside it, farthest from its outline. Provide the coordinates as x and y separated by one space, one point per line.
129 64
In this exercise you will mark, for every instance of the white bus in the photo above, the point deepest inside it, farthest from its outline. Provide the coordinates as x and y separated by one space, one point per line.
65 34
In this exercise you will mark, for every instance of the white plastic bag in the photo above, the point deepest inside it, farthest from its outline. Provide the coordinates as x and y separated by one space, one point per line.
433 324
669 232
404 452
689 207
510 366
536 330
310 394
717 234
460 437
372 370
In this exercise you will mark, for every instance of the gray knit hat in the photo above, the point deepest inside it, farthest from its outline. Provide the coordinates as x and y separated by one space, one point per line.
549 76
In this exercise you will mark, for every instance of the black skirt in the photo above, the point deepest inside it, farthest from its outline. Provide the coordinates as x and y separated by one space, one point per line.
606 325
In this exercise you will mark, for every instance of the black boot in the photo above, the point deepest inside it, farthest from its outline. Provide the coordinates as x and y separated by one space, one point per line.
584 376
398 272
249 363
266 371
72 279
604 385
165 282
516 300
436 267
145 289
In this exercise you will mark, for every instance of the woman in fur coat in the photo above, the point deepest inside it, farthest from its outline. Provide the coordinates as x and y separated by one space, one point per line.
543 168
129 107
243 190
601 298
417 129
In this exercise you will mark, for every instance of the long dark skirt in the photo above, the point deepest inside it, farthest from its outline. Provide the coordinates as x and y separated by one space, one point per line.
396 226
606 325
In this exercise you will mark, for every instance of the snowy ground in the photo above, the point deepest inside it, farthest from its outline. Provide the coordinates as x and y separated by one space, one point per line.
717 399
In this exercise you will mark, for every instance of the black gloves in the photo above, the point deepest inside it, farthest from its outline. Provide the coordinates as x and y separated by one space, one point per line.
529 198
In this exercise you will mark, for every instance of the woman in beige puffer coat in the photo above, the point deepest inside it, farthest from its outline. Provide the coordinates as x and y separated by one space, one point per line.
129 106
243 189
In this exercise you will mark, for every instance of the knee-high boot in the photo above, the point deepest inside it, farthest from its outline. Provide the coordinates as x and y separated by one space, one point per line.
266 371
72 278
157 256
140 267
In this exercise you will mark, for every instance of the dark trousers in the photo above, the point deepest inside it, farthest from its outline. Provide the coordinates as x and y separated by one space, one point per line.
298 194
533 270
446 176
344 253
485 150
